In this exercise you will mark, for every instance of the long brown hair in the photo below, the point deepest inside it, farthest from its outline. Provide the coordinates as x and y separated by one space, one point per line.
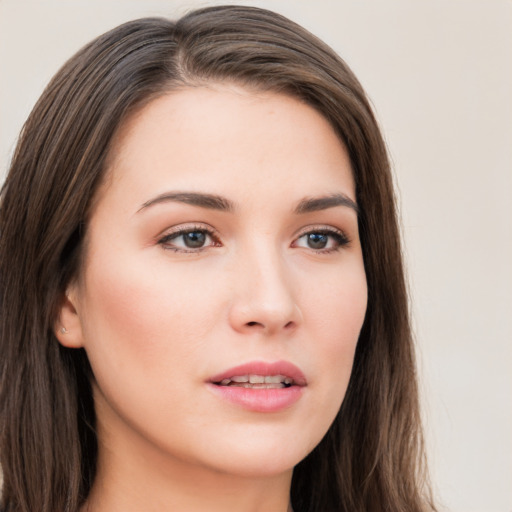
371 459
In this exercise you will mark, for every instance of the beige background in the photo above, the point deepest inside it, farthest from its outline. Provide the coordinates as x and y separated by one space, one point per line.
440 75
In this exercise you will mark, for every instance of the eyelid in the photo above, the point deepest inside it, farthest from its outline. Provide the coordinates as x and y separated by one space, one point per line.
175 231
342 238
321 228
186 228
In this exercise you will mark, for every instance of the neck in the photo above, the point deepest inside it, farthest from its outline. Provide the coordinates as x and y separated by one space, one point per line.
133 476
226 493
188 491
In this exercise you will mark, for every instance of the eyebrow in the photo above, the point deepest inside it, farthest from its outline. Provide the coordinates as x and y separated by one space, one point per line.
215 202
210 201
314 204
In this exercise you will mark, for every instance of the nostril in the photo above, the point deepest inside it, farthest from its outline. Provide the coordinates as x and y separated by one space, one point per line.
289 325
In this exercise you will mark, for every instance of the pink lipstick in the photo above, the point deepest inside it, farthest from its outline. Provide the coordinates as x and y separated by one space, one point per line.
259 386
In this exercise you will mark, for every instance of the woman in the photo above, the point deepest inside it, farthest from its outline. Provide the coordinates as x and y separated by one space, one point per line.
202 295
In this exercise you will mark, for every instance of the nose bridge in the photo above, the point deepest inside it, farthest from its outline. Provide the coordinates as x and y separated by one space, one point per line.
264 297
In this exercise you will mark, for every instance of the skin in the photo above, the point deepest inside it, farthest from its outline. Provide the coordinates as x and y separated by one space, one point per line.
158 319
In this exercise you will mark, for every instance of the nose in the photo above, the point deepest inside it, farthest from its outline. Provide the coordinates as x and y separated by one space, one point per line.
264 300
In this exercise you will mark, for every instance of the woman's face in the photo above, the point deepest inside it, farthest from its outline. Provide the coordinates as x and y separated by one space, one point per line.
223 288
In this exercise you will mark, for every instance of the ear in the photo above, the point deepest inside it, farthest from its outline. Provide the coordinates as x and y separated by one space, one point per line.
68 325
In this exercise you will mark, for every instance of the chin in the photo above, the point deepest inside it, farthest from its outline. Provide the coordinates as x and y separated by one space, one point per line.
260 455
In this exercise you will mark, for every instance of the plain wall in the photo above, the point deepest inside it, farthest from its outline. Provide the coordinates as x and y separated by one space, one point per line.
440 75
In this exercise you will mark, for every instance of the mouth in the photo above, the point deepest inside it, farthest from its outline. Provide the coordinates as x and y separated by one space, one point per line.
257 381
259 386
261 375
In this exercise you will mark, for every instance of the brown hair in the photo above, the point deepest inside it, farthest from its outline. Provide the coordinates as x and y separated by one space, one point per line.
371 458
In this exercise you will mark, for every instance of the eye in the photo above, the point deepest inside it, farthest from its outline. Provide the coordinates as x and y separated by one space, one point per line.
322 240
193 239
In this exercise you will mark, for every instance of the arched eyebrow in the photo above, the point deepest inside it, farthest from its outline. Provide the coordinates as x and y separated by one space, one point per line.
210 201
216 202
314 204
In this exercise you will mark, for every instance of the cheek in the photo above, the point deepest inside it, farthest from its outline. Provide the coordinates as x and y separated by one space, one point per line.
337 307
336 316
140 317
142 335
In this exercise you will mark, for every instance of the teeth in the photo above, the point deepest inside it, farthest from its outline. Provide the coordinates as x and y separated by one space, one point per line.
258 381
274 379
240 378
258 386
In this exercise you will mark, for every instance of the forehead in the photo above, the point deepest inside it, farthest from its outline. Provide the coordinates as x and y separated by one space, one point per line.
224 138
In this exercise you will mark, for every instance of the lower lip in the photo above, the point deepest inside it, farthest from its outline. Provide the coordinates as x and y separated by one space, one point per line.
259 400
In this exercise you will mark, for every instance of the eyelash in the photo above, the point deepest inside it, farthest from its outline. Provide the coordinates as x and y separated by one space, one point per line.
183 230
341 240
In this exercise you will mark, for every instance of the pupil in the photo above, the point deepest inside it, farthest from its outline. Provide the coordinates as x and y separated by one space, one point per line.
194 239
317 240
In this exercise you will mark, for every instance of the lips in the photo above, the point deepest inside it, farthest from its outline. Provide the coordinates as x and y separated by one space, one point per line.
260 372
259 386
251 381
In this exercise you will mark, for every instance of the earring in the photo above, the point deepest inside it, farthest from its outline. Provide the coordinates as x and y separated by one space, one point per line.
63 330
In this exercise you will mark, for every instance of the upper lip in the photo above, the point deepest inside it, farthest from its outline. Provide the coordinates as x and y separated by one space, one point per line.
263 368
